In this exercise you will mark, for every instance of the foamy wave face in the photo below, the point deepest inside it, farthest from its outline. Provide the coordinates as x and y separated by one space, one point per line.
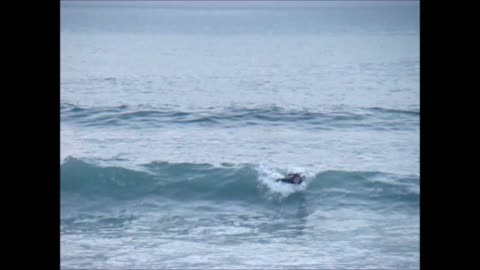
244 183
278 190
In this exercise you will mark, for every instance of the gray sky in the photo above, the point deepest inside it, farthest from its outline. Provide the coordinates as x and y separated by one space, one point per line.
245 4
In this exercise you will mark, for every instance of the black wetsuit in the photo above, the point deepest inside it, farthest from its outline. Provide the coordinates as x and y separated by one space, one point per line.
289 179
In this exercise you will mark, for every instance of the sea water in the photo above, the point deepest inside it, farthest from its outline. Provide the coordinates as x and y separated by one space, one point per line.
176 119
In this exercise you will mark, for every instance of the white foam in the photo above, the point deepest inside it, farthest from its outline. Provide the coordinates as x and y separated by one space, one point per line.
267 177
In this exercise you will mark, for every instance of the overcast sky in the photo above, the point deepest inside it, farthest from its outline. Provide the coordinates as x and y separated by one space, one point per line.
243 4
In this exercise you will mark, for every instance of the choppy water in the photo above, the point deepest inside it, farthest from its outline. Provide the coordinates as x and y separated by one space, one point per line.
175 122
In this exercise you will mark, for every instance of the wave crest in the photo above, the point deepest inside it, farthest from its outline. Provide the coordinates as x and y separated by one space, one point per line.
248 182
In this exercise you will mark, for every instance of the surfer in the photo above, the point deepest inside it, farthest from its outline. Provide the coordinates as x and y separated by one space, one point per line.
292 178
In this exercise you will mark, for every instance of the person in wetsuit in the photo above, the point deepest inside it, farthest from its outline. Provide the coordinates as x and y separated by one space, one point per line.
292 178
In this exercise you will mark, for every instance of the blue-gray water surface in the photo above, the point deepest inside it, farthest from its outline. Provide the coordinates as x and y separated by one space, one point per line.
176 119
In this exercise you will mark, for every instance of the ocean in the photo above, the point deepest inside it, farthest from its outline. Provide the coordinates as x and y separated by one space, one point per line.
177 117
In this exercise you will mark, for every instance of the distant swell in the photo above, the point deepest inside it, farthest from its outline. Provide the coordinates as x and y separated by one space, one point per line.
141 116
184 181
392 111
